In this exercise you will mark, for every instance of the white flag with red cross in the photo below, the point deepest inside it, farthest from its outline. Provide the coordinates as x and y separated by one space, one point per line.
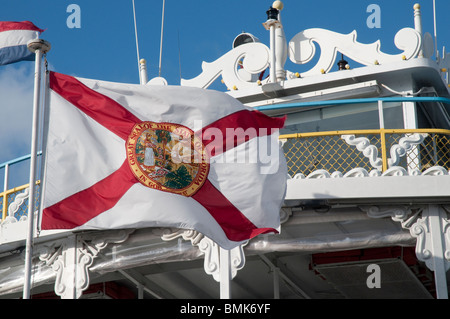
135 156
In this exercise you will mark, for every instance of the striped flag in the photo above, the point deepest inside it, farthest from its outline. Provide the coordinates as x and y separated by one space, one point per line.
13 41
134 156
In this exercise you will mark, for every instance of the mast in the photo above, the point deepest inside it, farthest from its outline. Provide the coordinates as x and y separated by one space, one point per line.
162 33
435 30
39 47
142 64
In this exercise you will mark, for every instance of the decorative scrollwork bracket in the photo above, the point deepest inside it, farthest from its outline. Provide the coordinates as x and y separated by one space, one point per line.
211 251
71 258
430 225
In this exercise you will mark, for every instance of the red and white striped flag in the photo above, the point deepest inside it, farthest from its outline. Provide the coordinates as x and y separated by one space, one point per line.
13 41
133 156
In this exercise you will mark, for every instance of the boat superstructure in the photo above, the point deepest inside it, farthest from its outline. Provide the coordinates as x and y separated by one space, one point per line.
367 202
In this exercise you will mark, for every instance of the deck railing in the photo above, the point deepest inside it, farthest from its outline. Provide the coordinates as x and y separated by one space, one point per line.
18 194
12 196
380 149
412 149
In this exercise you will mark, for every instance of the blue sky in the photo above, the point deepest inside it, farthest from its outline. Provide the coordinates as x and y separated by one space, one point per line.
104 46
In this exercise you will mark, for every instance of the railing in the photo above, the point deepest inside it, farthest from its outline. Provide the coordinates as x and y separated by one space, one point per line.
12 196
18 195
414 150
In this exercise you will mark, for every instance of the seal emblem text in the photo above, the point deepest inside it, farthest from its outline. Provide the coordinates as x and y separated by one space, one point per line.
167 157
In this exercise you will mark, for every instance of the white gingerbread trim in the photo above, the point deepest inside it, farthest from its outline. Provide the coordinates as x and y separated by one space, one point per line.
302 48
363 145
430 225
71 258
254 58
210 249
362 172
405 144
15 206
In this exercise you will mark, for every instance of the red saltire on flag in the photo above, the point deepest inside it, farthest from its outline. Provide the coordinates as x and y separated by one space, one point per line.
14 37
132 156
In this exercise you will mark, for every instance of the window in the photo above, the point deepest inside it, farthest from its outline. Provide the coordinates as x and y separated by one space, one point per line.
344 117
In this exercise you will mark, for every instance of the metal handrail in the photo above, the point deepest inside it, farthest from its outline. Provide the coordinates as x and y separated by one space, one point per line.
295 105
4 195
6 192
318 145
361 132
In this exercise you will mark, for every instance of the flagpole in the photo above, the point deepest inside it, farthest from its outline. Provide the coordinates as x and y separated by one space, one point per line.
39 47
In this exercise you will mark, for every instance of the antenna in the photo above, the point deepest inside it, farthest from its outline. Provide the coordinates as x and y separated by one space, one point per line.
136 35
435 30
179 54
162 32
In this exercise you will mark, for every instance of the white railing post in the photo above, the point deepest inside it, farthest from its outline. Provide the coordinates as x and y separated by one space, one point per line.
225 273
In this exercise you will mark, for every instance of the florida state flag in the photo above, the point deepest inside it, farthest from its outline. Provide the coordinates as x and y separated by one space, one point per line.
132 156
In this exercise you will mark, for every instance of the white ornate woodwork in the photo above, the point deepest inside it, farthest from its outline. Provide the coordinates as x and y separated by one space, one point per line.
399 214
168 234
320 173
363 145
15 206
212 258
302 48
426 235
239 68
395 171
210 249
362 172
18 201
356 172
71 258
431 226
405 145
434 171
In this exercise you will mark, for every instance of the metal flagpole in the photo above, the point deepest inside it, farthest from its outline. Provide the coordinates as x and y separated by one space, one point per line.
39 47
43 141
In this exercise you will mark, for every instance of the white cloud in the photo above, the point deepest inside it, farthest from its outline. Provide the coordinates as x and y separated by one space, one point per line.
16 107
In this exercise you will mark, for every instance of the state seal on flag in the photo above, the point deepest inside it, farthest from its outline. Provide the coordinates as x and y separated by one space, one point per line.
167 157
